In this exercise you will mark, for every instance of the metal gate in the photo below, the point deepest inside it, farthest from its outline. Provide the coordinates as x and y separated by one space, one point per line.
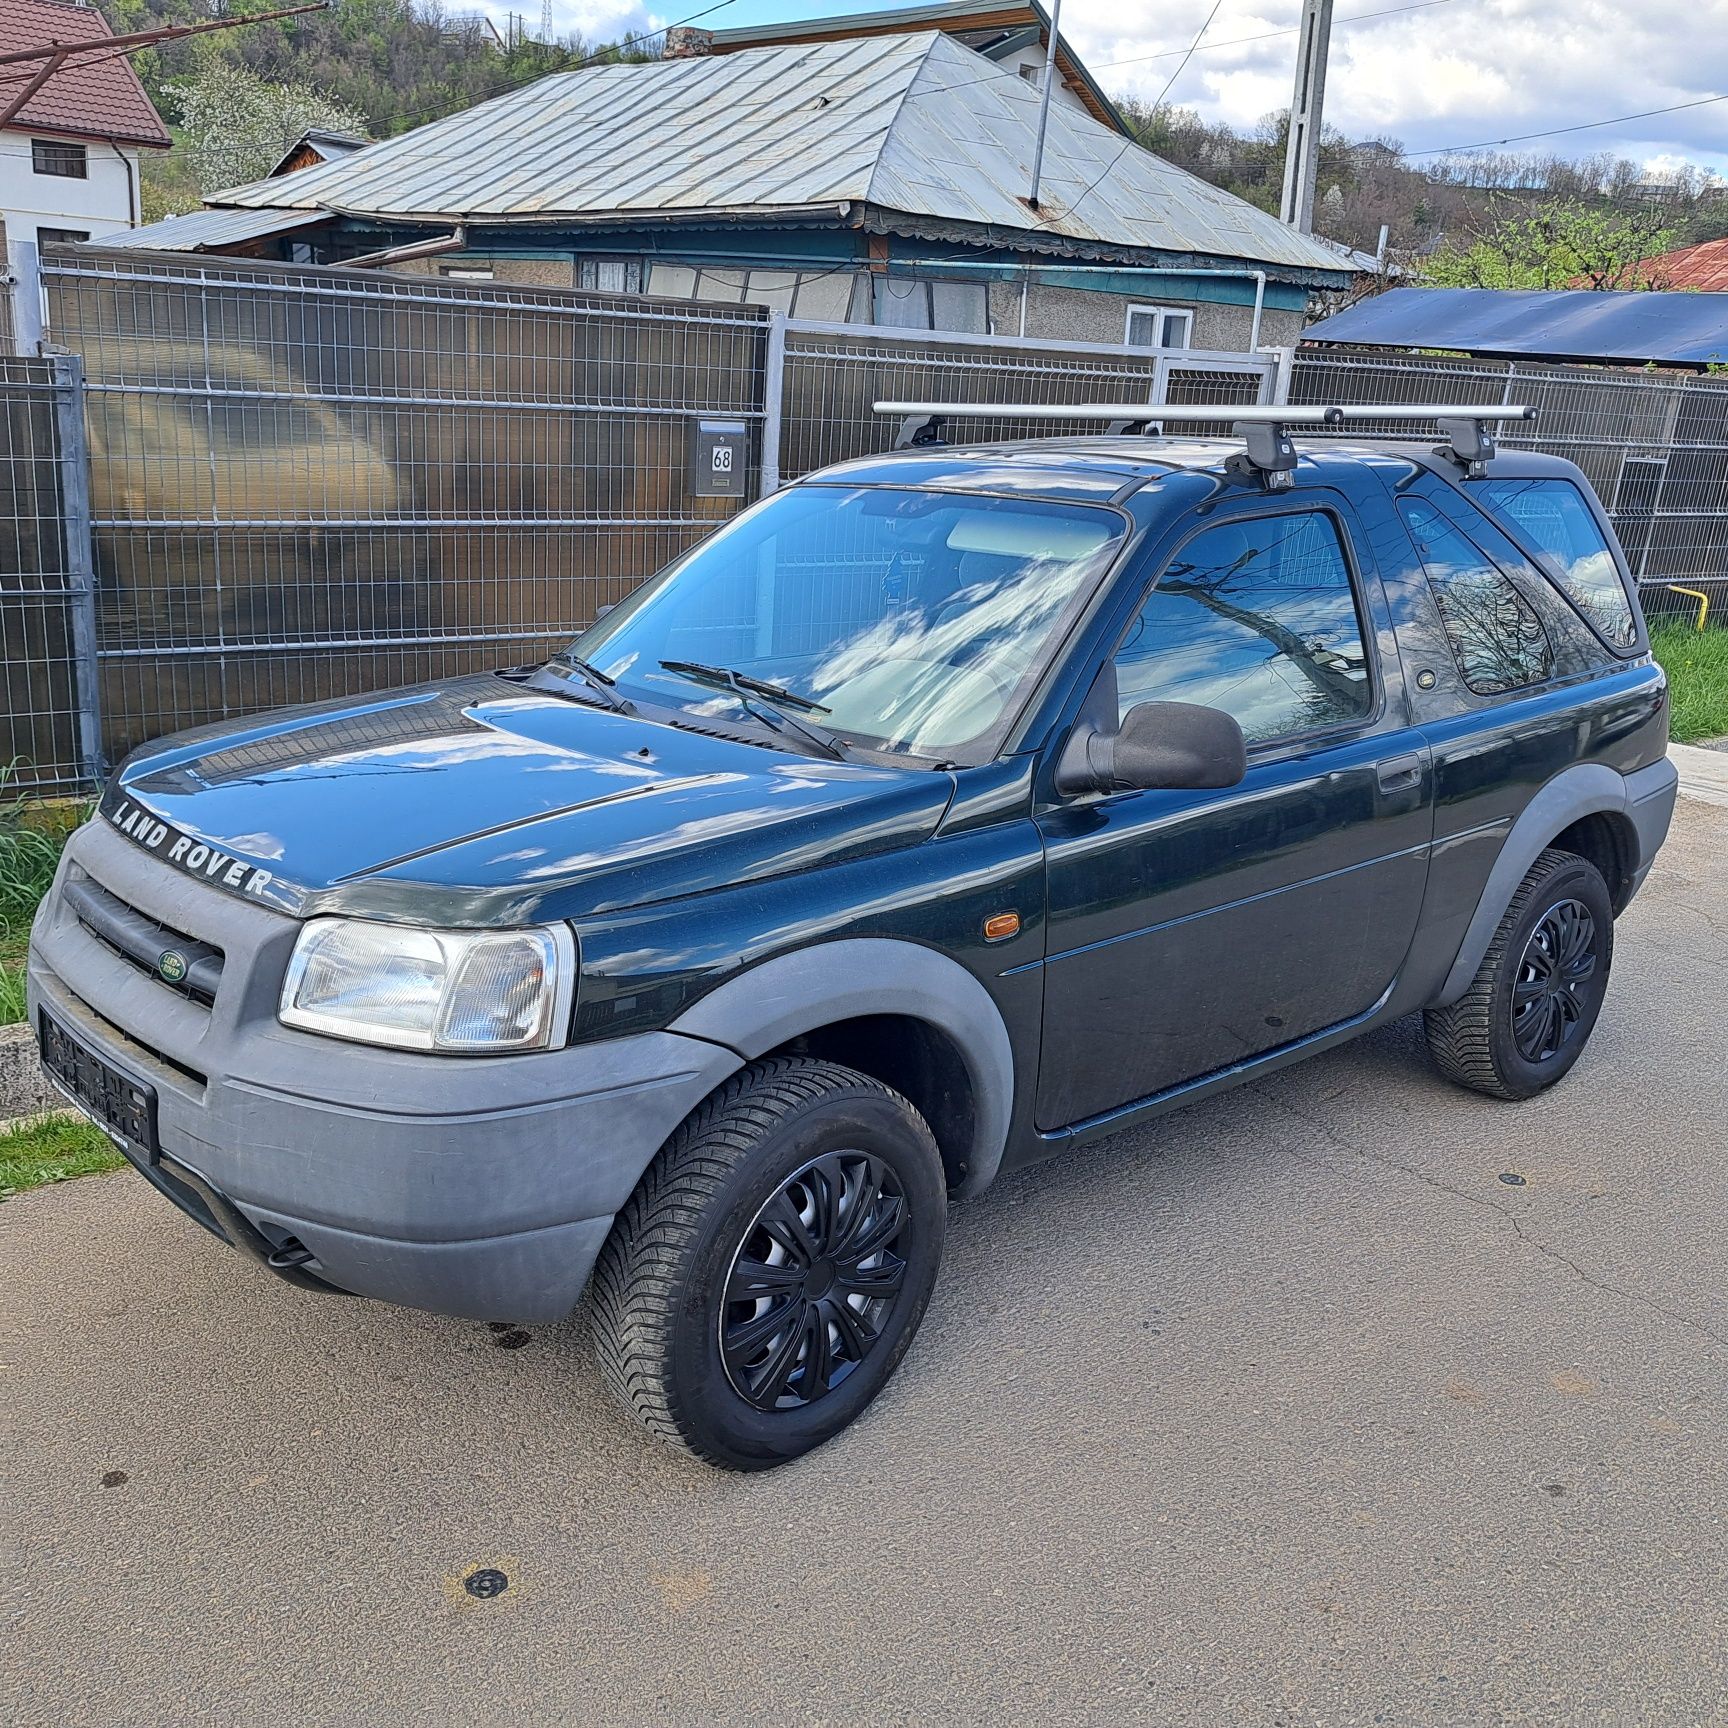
310 482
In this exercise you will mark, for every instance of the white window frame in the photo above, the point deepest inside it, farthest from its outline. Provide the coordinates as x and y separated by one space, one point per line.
633 265
1164 314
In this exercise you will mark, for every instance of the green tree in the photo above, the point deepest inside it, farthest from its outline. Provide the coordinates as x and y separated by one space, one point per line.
237 126
1562 243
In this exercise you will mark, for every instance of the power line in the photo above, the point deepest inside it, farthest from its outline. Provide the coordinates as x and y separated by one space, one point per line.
1189 55
1265 35
1558 131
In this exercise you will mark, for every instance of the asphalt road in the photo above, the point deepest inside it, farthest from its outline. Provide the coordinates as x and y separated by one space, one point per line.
1346 1398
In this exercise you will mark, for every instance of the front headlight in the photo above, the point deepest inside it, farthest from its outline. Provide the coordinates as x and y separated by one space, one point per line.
458 990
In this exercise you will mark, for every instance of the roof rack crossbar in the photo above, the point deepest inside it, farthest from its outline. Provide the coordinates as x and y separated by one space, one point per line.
1264 427
1282 414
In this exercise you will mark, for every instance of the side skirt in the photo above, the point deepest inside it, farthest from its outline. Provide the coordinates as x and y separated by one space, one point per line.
1046 1144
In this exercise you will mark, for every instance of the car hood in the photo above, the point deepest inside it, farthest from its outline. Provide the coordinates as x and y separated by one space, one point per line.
481 801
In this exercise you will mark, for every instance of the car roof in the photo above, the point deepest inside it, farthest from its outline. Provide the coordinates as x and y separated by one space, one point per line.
1108 468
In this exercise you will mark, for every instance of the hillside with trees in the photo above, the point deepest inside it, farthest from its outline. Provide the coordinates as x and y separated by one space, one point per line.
1483 219
236 99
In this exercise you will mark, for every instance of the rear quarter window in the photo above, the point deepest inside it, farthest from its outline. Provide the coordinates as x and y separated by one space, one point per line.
1573 551
1497 639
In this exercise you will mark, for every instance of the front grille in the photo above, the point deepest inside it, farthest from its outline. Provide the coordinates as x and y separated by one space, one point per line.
176 961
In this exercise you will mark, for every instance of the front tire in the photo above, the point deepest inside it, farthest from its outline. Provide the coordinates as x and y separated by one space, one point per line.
1533 1003
771 1269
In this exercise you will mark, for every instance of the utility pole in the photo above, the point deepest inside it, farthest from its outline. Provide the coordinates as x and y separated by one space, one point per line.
1044 102
1302 147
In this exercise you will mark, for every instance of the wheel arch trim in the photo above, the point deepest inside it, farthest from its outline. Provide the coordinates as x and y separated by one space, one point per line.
783 998
1643 800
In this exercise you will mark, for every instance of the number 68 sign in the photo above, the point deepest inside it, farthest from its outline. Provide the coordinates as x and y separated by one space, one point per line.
719 458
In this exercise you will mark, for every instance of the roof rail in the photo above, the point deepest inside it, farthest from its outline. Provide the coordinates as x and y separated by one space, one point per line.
1270 457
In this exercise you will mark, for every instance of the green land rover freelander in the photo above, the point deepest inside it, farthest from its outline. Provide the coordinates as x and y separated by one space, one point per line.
940 812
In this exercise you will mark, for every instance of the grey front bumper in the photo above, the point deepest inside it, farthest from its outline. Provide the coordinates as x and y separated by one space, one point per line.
481 1187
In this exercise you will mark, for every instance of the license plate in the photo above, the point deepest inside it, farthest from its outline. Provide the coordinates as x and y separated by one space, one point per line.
124 1107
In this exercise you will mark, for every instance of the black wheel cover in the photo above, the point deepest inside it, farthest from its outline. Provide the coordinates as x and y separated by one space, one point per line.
1555 976
813 1281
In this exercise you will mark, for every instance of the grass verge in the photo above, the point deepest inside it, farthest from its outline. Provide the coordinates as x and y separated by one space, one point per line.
31 836
1696 662
52 1149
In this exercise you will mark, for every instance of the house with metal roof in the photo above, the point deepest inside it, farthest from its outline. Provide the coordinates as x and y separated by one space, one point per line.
314 146
72 124
1614 329
882 179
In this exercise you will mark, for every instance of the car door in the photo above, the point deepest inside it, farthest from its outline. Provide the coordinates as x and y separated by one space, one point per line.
1192 931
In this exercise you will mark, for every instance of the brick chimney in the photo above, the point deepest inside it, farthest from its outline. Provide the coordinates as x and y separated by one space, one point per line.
685 43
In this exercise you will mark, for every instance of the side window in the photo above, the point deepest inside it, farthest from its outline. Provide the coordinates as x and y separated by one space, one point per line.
1256 617
1497 639
1553 514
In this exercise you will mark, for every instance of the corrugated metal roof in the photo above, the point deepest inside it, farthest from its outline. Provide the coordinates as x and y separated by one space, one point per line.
203 229
93 95
918 125
1702 267
1677 329
991 27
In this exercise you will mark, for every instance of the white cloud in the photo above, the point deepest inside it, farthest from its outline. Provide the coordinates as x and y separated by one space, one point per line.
1457 72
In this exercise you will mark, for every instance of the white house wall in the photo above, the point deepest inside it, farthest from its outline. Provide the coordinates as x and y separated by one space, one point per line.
105 202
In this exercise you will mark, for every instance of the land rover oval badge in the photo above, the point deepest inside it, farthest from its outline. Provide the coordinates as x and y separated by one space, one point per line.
171 964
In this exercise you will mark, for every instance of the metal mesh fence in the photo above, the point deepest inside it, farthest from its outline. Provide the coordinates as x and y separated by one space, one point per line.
1654 446
306 482
835 372
45 597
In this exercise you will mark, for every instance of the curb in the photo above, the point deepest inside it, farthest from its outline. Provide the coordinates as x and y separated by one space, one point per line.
1703 773
24 1088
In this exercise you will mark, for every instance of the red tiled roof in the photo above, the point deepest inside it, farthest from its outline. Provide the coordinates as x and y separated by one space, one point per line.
93 95
1704 267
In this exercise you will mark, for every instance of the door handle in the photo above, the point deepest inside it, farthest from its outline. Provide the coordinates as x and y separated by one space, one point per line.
1399 773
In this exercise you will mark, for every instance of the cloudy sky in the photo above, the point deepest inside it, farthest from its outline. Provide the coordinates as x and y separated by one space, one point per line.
1430 73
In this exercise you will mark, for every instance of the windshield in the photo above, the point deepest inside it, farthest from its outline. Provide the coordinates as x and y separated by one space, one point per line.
907 621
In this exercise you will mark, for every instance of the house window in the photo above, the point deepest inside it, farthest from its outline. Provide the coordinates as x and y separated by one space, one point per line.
610 275
52 156
1159 327
909 303
61 236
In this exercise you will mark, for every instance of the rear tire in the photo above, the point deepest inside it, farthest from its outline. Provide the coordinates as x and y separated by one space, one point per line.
1533 1003
769 1273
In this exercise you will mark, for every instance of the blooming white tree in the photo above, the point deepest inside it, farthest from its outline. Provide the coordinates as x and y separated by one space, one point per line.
238 126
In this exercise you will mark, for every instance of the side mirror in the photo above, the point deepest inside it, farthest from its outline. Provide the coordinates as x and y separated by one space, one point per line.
1159 744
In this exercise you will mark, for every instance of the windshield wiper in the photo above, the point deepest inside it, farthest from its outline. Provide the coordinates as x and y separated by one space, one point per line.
743 686
603 686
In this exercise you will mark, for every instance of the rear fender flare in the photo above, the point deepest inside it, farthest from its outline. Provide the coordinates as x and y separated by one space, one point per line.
1585 789
783 998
